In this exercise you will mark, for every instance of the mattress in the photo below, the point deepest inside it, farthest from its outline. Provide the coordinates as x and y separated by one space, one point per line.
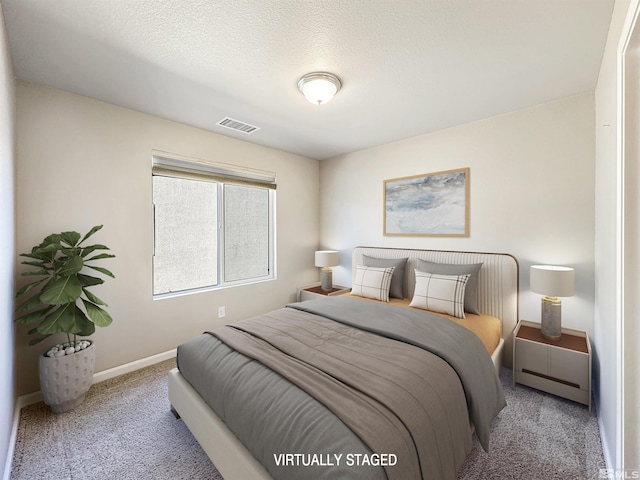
298 436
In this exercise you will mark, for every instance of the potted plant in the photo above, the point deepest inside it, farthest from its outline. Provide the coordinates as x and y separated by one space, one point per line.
60 302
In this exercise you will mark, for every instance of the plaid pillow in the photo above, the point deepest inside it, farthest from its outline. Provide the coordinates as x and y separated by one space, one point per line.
471 291
372 282
440 293
397 280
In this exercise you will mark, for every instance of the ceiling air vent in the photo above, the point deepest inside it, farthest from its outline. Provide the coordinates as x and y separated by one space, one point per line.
237 125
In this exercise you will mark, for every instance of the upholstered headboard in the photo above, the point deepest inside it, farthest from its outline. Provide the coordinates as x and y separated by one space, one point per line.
497 281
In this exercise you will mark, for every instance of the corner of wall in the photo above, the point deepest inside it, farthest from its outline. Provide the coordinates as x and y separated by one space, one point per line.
7 253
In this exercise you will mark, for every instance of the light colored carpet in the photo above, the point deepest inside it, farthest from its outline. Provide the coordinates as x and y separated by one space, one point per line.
538 435
125 430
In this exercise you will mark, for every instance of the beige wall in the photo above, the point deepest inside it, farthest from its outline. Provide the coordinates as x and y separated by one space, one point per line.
82 162
532 194
7 252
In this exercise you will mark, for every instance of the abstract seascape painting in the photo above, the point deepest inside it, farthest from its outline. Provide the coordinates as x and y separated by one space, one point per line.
434 204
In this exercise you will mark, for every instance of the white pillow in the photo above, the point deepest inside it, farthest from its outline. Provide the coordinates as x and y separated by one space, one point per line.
440 293
372 282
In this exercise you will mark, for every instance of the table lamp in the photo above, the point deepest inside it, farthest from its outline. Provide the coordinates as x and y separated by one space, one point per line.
552 282
327 259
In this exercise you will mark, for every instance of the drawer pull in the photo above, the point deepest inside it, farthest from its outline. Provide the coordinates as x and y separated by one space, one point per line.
547 377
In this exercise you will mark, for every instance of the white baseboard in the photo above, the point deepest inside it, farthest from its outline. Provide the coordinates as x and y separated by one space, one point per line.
610 462
35 397
12 442
133 366
609 459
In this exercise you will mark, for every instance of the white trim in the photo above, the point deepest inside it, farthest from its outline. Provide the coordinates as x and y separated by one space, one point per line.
133 366
618 441
623 45
35 397
609 458
28 399
12 441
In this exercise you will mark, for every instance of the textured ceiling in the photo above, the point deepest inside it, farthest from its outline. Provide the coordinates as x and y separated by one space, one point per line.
408 67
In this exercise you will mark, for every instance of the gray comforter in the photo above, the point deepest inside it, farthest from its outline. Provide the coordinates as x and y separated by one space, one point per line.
398 399
461 348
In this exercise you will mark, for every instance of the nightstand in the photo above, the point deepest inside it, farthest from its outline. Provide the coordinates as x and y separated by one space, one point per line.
561 367
309 292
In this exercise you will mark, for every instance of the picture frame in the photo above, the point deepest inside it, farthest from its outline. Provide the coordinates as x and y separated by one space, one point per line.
428 205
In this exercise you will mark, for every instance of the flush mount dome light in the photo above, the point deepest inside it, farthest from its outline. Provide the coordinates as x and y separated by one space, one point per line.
319 87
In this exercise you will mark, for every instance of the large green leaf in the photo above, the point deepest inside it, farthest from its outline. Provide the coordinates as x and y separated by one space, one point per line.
67 289
48 248
59 262
71 252
87 250
91 232
53 238
71 267
70 238
42 271
35 264
33 302
85 326
102 255
103 270
67 319
61 320
29 286
34 316
89 281
97 315
43 256
93 298
35 341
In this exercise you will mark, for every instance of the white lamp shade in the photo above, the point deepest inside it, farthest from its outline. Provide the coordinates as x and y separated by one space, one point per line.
551 280
319 87
327 258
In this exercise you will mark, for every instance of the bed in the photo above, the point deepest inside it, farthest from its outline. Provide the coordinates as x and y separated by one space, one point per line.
310 432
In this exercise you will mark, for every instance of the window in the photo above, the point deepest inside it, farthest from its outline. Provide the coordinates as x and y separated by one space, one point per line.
213 226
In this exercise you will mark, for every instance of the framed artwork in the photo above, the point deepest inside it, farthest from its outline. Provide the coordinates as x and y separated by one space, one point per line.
433 204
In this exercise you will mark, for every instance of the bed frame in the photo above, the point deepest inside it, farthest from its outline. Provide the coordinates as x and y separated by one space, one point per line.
497 296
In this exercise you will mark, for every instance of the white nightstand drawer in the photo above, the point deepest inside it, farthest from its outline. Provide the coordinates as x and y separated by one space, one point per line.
532 356
569 366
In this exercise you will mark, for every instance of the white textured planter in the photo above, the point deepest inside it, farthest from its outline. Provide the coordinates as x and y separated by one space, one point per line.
64 381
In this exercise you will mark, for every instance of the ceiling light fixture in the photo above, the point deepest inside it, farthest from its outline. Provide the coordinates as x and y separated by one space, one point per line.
319 87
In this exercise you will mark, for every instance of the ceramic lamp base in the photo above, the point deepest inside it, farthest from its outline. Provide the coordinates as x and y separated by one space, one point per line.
551 318
326 280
